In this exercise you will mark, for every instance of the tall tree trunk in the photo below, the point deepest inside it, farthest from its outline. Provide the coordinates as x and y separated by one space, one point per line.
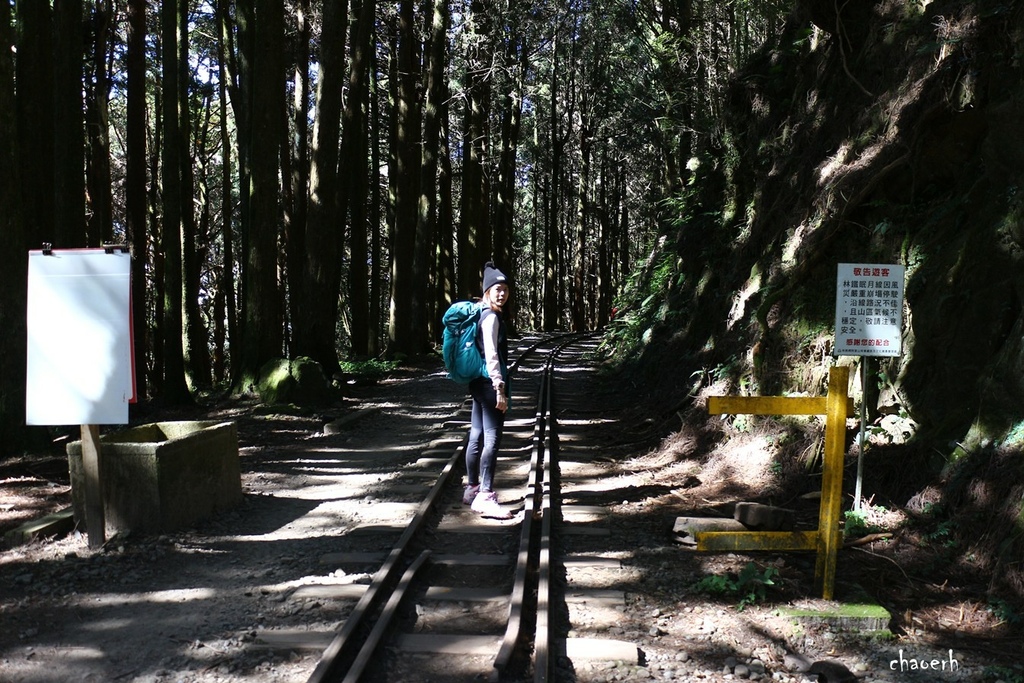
375 222
241 54
426 220
13 264
34 76
505 204
194 246
552 232
173 389
298 185
405 330
446 275
227 277
536 221
604 243
624 262
511 118
261 334
100 191
314 327
135 186
195 337
355 177
204 241
154 199
582 219
475 231
69 126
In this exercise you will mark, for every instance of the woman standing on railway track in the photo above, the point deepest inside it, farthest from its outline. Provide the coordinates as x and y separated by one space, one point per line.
490 400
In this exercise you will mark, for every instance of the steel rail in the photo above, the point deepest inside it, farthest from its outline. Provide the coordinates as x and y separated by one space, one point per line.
380 628
542 627
351 652
518 603
535 539
550 514
345 641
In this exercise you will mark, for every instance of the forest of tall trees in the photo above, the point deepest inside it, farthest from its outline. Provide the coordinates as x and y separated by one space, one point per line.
299 178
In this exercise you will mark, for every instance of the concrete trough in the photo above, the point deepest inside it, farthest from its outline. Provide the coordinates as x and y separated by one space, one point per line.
162 476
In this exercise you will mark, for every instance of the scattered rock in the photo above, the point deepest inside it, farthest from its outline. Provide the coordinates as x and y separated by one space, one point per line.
831 672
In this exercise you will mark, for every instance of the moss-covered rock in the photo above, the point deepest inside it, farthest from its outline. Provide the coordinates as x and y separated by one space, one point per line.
300 381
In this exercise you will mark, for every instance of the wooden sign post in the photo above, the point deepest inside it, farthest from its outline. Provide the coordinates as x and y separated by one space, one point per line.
80 365
95 517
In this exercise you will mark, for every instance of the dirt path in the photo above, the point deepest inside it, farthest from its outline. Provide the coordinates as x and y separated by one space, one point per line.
191 606
188 606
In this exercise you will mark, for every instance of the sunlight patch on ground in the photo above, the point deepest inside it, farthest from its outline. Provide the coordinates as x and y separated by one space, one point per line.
325 487
586 422
744 460
338 450
174 596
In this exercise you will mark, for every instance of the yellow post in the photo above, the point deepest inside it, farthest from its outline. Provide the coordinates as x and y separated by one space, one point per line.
826 538
832 480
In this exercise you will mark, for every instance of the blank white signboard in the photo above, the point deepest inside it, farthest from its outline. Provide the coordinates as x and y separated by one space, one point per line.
79 337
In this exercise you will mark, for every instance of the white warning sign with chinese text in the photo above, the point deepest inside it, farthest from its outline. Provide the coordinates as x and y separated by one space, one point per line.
869 309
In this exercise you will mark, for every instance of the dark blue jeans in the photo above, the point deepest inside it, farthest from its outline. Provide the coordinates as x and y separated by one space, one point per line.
485 429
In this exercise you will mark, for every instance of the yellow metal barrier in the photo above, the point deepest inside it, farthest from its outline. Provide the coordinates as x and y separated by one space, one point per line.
826 538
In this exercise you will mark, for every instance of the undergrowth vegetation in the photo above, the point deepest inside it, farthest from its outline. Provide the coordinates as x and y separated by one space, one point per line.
749 586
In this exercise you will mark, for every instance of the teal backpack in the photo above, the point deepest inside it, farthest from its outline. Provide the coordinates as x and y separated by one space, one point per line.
462 357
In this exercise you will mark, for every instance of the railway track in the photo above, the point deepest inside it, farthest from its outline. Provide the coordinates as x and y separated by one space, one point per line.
459 596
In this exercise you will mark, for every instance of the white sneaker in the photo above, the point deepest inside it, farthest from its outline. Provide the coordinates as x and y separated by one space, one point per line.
470 494
486 503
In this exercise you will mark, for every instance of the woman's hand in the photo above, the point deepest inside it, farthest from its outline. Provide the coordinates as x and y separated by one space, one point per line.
502 403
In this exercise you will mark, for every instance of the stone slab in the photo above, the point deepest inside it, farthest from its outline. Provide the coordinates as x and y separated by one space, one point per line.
57 524
861 616
686 529
337 426
449 644
604 649
365 529
472 523
585 561
764 517
583 513
338 591
465 594
473 560
431 462
295 639
604 596
584 510
441 442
